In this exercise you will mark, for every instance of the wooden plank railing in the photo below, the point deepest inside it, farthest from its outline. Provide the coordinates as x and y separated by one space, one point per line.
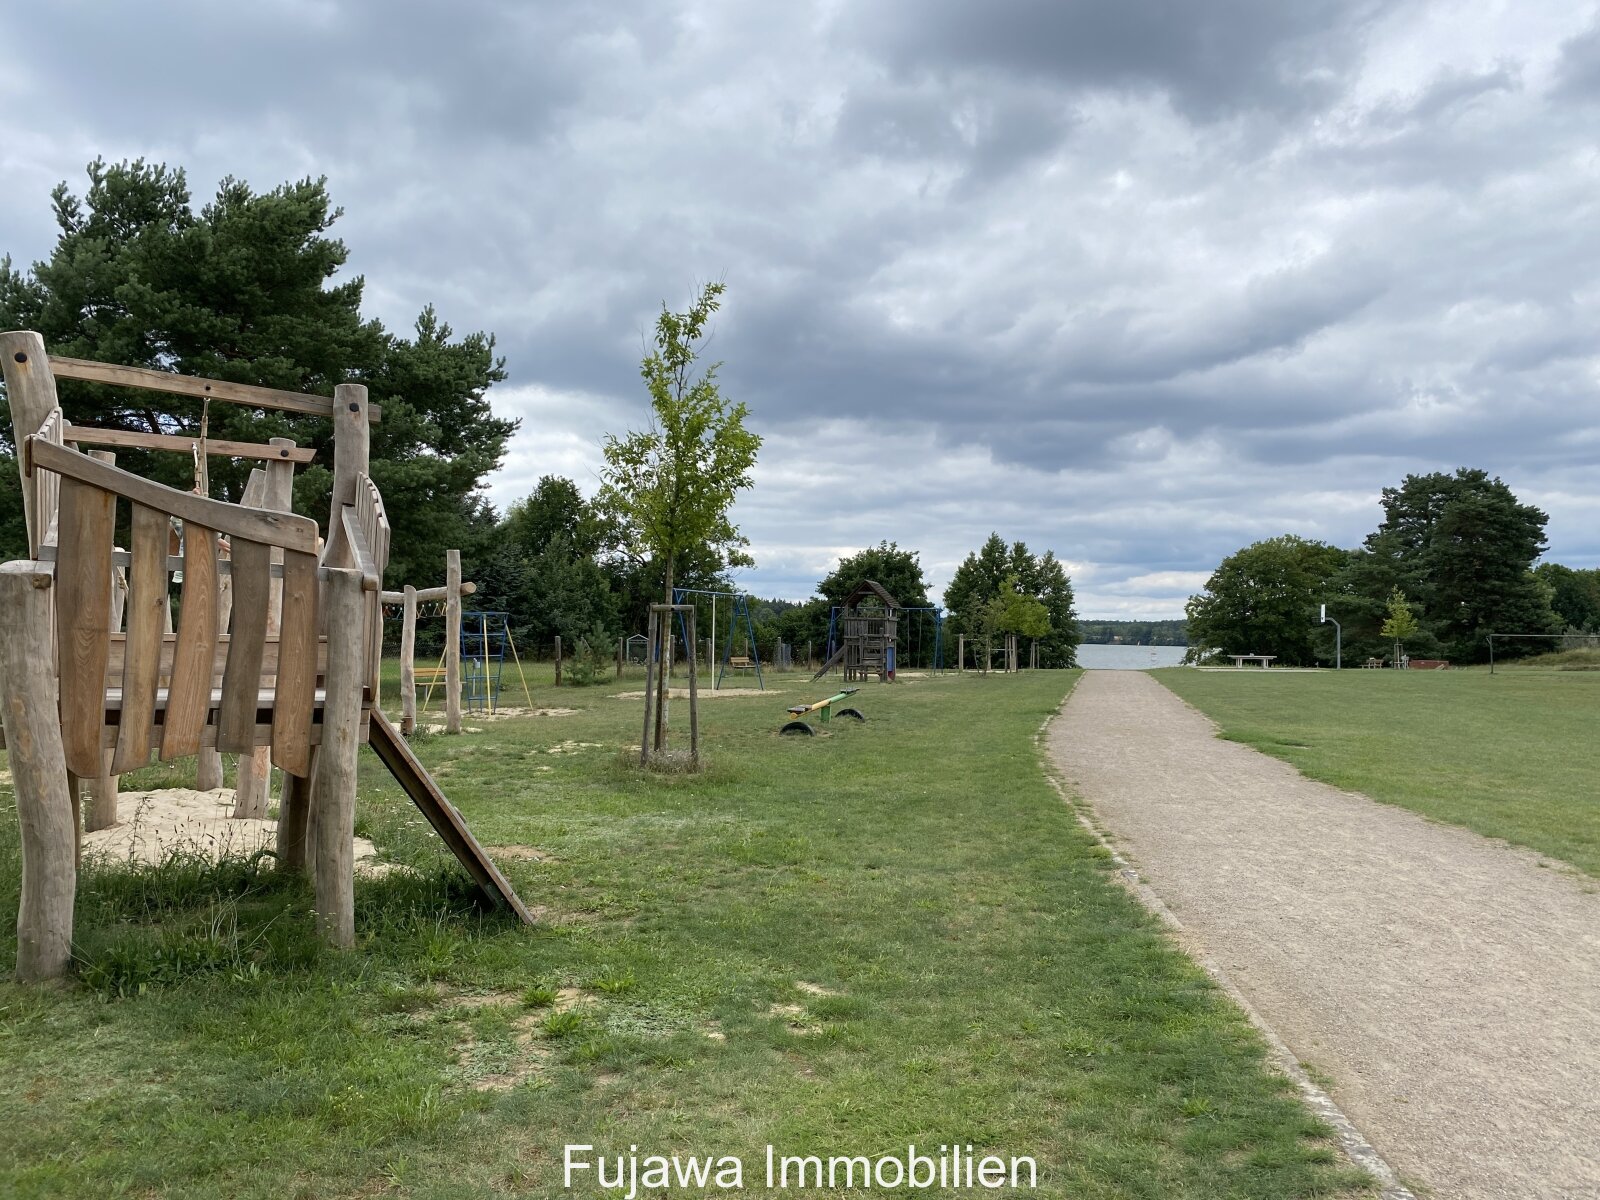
89 494
196 387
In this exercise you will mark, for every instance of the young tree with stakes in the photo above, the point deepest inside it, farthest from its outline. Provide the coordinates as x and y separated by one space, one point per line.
1400 624
667 489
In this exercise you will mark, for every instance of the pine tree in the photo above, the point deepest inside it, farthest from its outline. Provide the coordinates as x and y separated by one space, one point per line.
244 290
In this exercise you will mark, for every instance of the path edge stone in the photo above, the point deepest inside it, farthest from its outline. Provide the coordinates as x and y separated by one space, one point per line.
1352 1141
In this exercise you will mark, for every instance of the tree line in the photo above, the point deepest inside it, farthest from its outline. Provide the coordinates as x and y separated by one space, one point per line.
242 288
1134 633
1452 561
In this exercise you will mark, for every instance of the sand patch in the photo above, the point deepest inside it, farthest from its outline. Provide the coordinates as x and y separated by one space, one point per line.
706 693
496 1067
432 728
794 1016
814 989
507 711
572 747
522 853
155 824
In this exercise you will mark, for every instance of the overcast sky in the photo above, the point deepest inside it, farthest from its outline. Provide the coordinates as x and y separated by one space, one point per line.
1140 282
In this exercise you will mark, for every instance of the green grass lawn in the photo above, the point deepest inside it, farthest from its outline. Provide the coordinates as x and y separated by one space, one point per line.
1513 755
895 933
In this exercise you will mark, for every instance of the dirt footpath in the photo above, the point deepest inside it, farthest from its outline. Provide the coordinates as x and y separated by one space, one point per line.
1449 985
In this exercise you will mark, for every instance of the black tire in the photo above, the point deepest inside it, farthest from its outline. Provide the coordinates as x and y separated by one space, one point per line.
798 727
850 712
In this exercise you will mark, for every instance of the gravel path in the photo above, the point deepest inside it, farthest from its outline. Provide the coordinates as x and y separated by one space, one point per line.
1449 985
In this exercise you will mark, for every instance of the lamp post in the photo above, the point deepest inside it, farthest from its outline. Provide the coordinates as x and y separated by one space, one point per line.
1338 639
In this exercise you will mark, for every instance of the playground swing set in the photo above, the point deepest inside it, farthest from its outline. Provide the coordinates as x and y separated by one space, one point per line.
740 612
485 639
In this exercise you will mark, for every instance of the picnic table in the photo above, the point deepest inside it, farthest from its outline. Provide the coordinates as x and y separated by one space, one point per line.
1265 660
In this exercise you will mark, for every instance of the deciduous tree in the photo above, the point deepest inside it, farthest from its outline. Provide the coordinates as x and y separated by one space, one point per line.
1263 600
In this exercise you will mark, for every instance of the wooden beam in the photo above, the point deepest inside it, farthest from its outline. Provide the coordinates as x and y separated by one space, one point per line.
284 530
85 435
442 815
424 595
196 387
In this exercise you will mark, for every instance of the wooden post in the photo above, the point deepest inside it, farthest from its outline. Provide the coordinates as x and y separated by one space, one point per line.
452 641
408 664
294 818
694 691
558 660
102 810
31 393
649 688
38 772
351 449
333 814
620 643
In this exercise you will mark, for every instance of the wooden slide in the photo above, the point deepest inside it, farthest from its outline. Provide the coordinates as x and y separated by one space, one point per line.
838 657
442 815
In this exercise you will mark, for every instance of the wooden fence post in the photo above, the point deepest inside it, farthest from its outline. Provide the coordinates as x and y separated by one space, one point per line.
452 641
620 642
39 774
558 660
408 663
333 814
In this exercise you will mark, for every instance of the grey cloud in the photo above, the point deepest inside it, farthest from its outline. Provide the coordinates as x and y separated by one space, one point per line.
1136 282
1212 59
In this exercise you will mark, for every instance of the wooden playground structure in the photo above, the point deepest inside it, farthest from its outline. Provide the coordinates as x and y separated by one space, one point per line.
275 655
868 628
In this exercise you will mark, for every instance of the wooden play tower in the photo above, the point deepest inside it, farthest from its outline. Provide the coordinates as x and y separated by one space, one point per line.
867 625
275 651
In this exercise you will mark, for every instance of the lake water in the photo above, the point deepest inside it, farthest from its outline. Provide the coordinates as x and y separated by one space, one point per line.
1128 658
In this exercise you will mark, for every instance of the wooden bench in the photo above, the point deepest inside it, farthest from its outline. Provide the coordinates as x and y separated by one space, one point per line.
1265 660
741 662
